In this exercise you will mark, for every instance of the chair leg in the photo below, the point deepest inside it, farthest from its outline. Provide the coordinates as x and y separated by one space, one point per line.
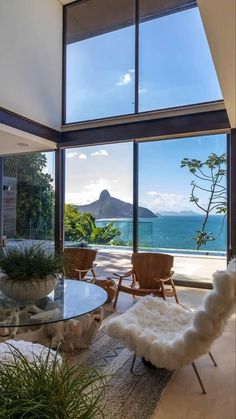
116 298
94 276
133 362
163 292
213 359
175 292
199 378
176 298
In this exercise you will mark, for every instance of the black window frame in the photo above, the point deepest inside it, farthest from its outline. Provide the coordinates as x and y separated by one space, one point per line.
188 4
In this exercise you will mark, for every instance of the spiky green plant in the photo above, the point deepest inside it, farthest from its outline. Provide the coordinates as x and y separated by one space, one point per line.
49 390
26 262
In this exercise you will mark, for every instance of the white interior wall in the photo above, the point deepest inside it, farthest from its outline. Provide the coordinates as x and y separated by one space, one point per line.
31 59
219 19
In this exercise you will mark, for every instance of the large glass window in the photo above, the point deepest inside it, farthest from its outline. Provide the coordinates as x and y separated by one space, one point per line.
174 68
183 183
175 64
99 210
28 197
99 59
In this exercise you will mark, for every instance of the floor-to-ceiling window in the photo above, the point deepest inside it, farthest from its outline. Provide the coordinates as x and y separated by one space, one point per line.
28 197
98 197
131 57
183 183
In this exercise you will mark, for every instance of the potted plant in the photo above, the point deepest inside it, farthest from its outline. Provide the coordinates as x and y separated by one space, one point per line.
29 272
50 389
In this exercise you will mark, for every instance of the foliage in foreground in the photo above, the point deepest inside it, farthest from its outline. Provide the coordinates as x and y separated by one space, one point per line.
35 195
210 175
25 262
46 389
82 227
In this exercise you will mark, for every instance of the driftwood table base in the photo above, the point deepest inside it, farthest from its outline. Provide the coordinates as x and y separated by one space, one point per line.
69 335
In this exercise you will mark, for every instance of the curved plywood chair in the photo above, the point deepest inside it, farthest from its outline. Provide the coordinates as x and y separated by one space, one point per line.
79 261
151 274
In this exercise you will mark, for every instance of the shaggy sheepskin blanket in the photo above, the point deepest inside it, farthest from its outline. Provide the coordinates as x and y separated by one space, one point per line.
31 351
169 335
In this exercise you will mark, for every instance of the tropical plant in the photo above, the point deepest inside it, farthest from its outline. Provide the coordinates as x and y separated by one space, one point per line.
27 262
210 175
103 235
49 389
81 227
35 195
78 226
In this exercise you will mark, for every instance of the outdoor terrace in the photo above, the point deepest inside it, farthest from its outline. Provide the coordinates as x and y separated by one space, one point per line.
193 268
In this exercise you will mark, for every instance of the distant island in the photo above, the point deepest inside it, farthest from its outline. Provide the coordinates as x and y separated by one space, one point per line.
180 213
108 207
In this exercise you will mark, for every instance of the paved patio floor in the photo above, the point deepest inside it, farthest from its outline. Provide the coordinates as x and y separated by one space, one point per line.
188 268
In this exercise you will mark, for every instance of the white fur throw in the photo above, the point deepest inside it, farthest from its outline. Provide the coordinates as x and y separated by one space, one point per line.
168 335
31 351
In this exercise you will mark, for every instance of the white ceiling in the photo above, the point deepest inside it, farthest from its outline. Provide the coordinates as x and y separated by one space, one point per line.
13 141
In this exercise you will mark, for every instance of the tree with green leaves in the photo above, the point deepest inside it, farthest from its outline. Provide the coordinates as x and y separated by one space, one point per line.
105 235
35 195
78 226
81 227
209 181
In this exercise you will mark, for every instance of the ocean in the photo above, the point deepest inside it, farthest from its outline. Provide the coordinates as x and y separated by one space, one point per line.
173 232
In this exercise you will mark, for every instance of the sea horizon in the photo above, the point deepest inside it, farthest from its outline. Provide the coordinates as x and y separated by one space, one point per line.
173 231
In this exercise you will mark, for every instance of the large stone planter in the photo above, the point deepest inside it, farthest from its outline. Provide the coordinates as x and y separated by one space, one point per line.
27 291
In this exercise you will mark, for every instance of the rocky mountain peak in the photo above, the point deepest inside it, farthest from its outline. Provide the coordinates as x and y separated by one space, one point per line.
104 195
109 207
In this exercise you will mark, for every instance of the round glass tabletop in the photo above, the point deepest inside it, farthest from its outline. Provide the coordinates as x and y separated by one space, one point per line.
70 299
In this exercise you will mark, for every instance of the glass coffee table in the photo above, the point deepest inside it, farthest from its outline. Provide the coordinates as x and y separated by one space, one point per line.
73 311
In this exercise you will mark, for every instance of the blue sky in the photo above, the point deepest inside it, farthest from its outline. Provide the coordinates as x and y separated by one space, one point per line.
175 69
163 184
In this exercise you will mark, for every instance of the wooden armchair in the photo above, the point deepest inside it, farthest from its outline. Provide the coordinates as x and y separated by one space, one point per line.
151 274
79 261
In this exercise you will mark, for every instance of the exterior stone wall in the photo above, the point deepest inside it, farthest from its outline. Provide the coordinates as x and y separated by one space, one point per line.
9 207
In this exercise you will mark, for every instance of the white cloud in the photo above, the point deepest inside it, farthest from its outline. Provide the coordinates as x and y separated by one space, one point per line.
90 192
124 79
152 193
132 70
159 201
71 154
96 186
142 90
100 153
82 156
74 154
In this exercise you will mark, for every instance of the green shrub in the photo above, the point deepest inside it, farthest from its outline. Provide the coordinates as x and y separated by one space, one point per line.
26 262
81 227
49 390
